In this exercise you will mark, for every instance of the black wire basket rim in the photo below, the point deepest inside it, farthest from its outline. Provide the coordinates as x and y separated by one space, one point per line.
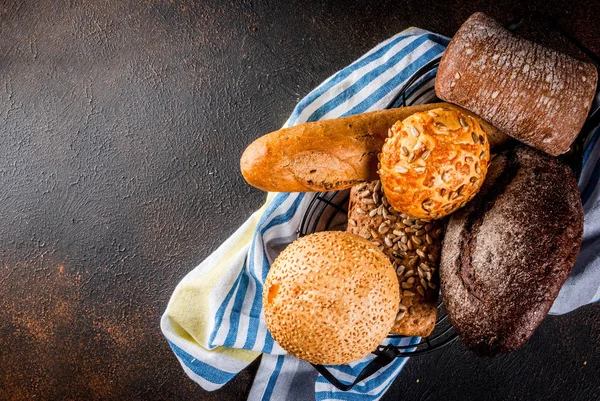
387 353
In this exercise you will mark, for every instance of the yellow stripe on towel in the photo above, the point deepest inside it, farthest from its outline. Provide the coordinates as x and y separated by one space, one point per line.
189 309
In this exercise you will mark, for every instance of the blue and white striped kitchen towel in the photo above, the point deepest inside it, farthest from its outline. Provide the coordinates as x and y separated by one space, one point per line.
214 321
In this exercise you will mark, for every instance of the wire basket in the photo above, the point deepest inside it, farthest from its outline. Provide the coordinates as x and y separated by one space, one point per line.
329 211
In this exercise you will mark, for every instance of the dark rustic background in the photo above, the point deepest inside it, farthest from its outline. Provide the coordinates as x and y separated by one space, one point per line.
122 123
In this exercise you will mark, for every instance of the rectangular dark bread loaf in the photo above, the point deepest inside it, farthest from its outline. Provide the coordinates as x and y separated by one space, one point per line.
331 154
534 94
412 245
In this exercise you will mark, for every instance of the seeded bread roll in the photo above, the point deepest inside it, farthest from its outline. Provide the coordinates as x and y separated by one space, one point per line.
536 95
508 252
412 245
330 298
330 154
433 162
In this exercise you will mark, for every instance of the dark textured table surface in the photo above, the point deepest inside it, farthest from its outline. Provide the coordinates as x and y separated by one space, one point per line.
122 126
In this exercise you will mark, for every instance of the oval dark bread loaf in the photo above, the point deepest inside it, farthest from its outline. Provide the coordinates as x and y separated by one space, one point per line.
507 253
536 95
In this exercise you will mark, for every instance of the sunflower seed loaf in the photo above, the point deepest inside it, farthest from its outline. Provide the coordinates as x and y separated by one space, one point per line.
536 95
413 246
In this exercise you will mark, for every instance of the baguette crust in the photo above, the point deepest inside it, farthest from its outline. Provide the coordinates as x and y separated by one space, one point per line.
534 94
330 154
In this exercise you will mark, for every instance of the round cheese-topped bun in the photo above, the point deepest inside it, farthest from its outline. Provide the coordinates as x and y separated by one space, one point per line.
330 298
433 162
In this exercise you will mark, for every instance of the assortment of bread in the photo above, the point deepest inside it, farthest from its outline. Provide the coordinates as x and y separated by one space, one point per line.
515 221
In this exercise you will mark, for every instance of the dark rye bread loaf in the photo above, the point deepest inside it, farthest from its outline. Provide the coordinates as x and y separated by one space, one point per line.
507 253
536 95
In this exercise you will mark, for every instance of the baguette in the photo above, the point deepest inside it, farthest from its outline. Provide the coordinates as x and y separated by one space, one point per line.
330 154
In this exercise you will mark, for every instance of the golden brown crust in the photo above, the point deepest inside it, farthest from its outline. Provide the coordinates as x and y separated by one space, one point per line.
330 154
434 162
330 298
412 245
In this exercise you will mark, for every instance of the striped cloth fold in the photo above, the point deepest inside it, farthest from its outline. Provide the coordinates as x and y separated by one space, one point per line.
583 284
214 322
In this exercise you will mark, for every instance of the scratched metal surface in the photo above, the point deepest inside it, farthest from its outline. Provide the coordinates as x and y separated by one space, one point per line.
121 128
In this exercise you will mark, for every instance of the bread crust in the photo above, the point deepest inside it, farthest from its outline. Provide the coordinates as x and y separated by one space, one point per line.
433 163
330 298
536 95
330 154
508 252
